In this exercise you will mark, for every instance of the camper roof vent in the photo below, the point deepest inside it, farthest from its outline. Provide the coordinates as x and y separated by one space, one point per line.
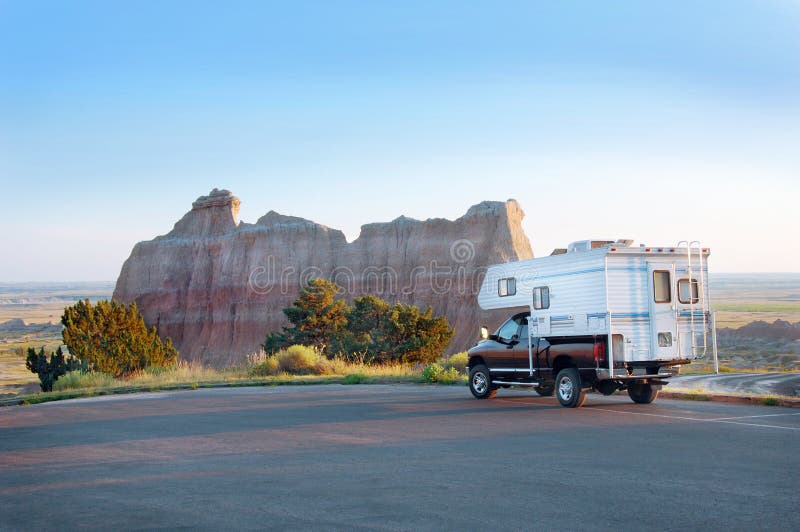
623 243
586 245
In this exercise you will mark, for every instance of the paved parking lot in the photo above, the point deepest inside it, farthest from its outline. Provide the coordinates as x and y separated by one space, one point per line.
396 458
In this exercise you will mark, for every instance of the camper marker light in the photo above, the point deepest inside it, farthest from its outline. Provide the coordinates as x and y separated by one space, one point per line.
599 352
613 249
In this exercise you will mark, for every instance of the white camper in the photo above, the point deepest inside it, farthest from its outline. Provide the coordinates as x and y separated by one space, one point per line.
649 304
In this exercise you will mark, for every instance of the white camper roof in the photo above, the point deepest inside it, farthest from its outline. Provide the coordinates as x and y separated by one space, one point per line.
622 245
509 284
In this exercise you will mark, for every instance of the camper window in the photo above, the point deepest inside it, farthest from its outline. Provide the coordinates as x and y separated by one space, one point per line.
507 287
541 297
688 291
661 290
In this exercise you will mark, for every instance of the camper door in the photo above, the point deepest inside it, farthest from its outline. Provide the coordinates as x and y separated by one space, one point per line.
663 321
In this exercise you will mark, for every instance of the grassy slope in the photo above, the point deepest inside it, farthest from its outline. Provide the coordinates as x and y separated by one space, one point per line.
188 376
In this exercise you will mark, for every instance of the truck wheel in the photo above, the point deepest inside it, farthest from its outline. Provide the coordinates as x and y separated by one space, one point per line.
642 393
568 388
480 383
545 391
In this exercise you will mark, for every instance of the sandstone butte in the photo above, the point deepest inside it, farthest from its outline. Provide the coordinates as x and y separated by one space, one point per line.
217 286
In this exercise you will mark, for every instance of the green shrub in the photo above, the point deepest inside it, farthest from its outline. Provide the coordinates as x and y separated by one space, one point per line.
113 338
433 372
266 368
354 378
770 401
413 336
300 360
50 370
450 376
457 361
436 373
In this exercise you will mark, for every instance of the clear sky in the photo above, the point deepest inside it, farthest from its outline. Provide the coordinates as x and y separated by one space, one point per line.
657 121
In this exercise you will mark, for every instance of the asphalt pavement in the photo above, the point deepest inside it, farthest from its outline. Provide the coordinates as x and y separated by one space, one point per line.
396 458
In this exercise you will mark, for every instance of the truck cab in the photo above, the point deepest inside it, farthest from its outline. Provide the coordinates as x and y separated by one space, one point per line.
509 357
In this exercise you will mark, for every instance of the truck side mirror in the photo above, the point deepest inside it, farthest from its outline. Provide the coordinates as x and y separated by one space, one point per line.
484 332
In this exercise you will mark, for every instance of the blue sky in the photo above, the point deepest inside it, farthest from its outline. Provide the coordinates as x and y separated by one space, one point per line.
653 121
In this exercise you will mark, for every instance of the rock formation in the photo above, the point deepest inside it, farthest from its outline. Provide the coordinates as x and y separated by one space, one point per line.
217 286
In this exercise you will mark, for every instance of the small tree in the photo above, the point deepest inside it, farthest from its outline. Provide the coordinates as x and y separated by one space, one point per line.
50 370
317 318
366 321
370 329
412 336
113 338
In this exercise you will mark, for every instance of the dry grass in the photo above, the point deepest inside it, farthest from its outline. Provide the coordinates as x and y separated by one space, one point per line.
302 360
14 376
299 365
34 313
182 373
76 380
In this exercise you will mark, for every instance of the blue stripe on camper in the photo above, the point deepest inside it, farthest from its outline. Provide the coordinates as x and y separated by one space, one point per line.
578 272
566 317
630 315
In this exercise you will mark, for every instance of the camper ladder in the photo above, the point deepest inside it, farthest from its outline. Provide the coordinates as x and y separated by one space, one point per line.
691 248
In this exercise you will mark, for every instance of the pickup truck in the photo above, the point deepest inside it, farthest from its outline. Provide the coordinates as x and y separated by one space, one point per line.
568 366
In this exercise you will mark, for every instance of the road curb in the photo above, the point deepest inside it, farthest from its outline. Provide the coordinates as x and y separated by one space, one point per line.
758 400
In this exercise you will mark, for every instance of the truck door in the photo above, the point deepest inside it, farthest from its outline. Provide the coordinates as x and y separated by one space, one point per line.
663 321
503 355
521 361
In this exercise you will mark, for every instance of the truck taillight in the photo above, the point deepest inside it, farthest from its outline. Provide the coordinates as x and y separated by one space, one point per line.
599 352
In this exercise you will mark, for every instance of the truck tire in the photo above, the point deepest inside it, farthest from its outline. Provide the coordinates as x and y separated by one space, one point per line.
569 391
480 383
545 391
642 393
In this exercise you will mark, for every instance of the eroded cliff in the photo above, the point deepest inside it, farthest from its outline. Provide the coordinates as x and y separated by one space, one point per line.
217 286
